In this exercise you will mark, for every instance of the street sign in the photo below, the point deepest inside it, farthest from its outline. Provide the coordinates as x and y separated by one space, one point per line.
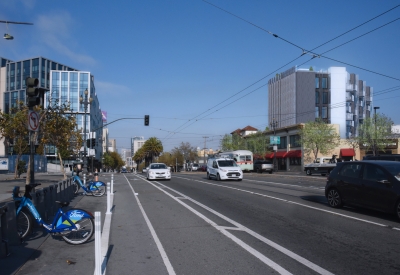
33 121
275 140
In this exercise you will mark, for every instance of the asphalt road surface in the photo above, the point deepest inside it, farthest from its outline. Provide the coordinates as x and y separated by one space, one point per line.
265 224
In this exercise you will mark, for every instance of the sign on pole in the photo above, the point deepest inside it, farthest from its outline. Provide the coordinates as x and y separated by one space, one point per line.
33 121
275 140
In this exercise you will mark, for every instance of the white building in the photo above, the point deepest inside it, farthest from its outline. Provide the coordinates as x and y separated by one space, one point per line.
336 96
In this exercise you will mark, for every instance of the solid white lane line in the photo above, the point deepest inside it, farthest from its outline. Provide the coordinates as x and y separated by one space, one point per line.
300 204
164 256
254 252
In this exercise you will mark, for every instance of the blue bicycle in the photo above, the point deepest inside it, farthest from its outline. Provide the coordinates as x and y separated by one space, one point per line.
76 226
96 188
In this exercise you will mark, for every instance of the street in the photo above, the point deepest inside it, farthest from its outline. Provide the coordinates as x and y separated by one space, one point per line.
261 225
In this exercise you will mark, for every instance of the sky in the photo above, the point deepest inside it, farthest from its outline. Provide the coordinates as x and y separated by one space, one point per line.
200 68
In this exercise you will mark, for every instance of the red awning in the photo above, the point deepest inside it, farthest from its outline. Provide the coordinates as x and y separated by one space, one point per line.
294 154
280 154
269 155
347 152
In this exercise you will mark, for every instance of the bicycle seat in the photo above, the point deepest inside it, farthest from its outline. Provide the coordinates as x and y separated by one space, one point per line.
63 203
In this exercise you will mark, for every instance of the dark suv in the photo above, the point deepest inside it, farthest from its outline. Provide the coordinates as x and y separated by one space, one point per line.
369 184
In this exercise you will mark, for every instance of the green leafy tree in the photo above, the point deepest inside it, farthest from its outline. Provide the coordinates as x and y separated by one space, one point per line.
108 161
232 142
318 137
257 143
139 156
59 128
152 148
117 161
13 127
374 132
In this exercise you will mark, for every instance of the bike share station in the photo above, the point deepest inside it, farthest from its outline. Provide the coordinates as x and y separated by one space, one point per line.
75 226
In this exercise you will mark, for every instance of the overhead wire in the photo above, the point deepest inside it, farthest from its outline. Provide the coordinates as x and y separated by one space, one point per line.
304 52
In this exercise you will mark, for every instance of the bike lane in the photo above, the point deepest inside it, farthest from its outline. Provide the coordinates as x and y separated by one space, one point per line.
132 248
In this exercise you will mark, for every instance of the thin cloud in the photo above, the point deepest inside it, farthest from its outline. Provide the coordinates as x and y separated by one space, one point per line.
55 34
111 88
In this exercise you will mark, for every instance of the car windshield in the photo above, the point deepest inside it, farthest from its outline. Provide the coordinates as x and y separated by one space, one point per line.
227 163
394 169
158 166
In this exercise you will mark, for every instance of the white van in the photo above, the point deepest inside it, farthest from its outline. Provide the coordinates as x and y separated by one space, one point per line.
223 169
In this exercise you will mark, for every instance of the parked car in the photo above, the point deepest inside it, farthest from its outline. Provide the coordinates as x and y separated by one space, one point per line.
194 167
203 168
263 166
144 170
158 171
369 184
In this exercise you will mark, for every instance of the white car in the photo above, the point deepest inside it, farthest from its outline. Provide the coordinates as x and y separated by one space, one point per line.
158 171
223 169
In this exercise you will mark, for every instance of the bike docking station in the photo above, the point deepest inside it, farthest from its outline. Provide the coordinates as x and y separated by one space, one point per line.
102 237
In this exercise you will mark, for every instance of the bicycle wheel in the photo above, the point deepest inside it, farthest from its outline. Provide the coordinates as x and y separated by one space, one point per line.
84 231
24 223
99 191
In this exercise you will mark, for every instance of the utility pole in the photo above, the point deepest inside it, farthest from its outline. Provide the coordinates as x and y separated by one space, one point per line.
204 149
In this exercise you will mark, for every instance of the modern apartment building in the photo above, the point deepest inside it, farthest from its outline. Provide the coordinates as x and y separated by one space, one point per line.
336 96
65 85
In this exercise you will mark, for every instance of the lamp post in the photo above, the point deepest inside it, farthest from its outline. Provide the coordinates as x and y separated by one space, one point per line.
375 108
85 101
273 125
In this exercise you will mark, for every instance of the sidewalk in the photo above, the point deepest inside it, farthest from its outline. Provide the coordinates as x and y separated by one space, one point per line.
43 254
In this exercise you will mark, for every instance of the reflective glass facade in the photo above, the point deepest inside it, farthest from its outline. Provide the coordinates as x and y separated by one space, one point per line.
66 88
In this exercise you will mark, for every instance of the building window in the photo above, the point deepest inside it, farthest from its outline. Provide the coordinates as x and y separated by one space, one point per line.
283 143
324 82
294 141
316 112
317 82
316 97
324 112
325 98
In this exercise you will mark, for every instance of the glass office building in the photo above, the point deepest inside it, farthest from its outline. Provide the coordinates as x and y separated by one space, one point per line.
68 87
65 85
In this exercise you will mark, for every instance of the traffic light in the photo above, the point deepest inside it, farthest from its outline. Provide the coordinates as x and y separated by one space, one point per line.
146 120
32 92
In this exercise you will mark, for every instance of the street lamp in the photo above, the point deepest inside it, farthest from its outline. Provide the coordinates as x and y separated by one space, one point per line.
273 125
85 101
375 108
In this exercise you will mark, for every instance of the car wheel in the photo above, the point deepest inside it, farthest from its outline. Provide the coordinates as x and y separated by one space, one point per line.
308 172
208 176
334 198
218 177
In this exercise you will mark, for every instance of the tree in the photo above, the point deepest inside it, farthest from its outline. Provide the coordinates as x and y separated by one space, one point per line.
318 137
117 162
14 128
232 142
188 152
108 160
139 156
257 143
59 128
375 135
152 148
